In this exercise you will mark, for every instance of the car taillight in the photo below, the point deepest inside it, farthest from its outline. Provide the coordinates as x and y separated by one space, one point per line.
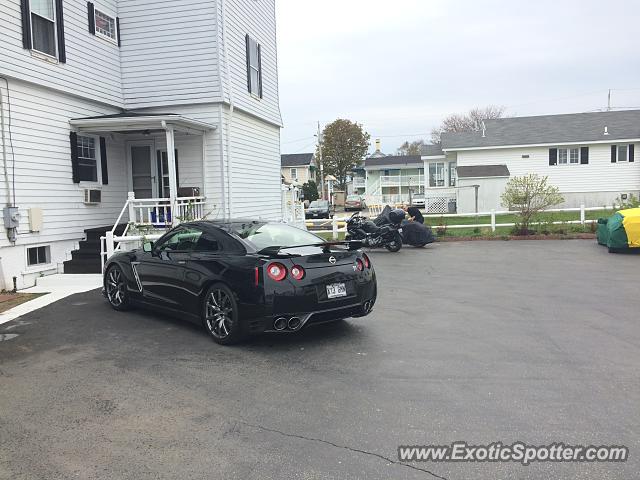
277 271
367 262
256 277
297 272
360 265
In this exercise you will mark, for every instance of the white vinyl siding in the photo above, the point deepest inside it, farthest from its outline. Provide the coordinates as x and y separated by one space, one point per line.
598 175
169 52
81 75
40 132
258 20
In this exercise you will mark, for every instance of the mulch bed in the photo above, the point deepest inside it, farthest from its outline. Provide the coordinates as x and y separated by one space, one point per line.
570 236
9 299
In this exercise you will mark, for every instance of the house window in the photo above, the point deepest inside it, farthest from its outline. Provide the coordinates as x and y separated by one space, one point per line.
562 156
436 174
623 153
453 176
254 67
38 255
105 25
294 173
87 159
43 26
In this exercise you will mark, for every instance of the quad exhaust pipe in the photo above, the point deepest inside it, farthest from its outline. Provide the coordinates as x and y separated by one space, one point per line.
294 323
281 323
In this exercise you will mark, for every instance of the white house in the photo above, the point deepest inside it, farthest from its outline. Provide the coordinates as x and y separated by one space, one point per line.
173 103
590 157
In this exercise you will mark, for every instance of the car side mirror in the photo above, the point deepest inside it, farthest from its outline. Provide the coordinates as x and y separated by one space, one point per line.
147 247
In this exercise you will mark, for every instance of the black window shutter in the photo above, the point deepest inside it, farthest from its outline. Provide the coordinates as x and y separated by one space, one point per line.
553 156
26 24
62 51
260 71
614 153
248 47
584 155
631 149
103 161
118 30
75 169
91 18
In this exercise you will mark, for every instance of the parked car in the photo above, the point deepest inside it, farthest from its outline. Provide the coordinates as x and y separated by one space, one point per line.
242 277
318 209
418 200
354 202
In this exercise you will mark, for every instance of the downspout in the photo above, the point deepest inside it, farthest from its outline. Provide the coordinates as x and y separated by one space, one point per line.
231 107
4 149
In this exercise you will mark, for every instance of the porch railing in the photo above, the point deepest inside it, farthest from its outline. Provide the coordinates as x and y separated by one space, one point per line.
149 212
158 212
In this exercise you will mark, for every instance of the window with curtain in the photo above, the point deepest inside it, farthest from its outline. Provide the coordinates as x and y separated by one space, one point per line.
43 26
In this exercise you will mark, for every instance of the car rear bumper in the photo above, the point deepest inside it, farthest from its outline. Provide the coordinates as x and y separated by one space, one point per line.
306 311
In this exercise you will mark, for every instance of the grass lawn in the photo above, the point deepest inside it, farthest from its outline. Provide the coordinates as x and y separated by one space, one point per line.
546 218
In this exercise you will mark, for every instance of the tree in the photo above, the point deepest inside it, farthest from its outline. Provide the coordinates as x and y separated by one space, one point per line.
467 122
310 191
344 145
529 195
411 148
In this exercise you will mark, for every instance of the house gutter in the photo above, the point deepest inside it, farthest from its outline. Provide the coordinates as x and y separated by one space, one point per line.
4 148
231 107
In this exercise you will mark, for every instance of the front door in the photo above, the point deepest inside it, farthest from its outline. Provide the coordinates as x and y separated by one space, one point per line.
143 176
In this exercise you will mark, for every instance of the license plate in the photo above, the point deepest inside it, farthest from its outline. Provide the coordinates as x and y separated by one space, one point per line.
335 290
315 214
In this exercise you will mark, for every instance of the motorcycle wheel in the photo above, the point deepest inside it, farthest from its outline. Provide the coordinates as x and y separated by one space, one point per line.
395 244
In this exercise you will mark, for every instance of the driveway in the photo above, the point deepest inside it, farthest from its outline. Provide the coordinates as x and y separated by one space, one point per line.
475 341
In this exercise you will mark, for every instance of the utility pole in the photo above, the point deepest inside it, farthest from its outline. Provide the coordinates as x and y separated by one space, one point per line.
609 101
319 135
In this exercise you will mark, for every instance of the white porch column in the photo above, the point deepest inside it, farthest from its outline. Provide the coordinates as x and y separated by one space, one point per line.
171 160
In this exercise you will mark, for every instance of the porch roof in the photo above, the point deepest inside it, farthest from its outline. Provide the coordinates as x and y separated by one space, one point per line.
136 122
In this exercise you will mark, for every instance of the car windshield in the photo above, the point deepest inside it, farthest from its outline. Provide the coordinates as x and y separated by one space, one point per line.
318 204
353 198
418 195
263 235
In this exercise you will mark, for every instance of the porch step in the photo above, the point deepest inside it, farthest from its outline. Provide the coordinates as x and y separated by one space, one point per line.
87 258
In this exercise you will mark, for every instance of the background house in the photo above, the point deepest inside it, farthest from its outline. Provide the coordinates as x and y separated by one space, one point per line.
298 168
590 157
174 103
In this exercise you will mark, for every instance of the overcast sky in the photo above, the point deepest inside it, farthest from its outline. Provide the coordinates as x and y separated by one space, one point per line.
398 67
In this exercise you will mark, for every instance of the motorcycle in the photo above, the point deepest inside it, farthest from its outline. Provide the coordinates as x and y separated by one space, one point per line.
385 232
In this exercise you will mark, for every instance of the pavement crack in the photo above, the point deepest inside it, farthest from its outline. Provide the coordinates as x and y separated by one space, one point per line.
344 447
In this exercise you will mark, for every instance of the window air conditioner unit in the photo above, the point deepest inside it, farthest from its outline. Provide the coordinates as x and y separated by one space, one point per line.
92 196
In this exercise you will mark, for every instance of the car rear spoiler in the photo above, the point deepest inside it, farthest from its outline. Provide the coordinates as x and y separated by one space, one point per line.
276 250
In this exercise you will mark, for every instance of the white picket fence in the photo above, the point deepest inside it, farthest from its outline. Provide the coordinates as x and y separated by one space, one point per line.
337 225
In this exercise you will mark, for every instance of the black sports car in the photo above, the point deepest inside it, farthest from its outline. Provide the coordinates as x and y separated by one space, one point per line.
243 277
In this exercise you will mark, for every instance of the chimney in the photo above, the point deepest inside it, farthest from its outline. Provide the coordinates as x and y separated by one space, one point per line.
377 144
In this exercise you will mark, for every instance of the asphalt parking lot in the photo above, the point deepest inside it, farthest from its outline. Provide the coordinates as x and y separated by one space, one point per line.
474 341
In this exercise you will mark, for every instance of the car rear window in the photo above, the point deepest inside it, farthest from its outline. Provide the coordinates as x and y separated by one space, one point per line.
353 198
263 235
319 203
